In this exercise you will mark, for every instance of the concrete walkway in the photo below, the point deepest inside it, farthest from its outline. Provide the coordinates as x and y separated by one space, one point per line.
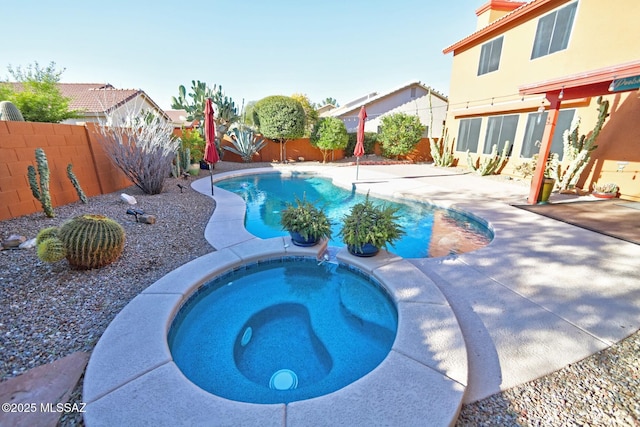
541 295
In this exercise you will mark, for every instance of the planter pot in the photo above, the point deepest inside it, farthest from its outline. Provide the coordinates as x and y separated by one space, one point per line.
604 195
194 169
367 250
298 240
547 188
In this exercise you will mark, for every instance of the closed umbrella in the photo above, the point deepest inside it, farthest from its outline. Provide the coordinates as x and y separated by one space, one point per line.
210 151
359 150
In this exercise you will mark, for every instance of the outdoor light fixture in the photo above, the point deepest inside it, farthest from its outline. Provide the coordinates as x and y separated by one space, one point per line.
561 95
612 86
135 212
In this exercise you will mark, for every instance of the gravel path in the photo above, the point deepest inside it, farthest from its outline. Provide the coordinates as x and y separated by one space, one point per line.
48 311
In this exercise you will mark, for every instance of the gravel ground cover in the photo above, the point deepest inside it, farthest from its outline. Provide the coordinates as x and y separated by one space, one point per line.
48 311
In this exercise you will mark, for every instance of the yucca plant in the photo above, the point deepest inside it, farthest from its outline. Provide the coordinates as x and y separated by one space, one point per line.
245 142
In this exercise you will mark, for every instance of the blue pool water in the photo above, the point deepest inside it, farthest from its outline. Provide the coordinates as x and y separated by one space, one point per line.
266 195
283 330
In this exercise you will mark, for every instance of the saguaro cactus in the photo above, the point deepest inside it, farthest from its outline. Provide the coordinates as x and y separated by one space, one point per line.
41 190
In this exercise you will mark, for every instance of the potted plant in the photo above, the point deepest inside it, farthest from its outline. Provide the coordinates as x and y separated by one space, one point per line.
306 223
605 191
550 170
369 227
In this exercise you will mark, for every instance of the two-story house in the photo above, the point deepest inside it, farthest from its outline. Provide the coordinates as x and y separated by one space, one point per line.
531 68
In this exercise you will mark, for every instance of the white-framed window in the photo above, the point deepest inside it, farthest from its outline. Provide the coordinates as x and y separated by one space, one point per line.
490 56
468 135
500 131
554 30
535 129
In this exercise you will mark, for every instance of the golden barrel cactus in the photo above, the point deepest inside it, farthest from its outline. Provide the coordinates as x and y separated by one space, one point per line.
92 241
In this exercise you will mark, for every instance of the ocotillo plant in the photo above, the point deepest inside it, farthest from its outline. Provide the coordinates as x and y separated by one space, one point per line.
41 190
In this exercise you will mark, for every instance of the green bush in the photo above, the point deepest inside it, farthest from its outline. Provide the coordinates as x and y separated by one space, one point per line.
370 139
328 134
400 134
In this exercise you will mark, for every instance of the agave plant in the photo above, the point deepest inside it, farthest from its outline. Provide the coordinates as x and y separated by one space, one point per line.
245 142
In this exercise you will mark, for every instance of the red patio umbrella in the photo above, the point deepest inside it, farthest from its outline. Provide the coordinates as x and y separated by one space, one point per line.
210 151
359 150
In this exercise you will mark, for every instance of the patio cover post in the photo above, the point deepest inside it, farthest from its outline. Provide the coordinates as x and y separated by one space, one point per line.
545 147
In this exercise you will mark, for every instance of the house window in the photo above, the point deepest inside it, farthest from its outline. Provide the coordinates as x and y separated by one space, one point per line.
468 135
490 56
553 31
500 131
535 128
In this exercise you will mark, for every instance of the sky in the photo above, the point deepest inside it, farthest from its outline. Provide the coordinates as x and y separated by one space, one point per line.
343 49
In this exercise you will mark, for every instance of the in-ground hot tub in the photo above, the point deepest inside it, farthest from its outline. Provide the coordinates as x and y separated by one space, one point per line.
133 379
286 330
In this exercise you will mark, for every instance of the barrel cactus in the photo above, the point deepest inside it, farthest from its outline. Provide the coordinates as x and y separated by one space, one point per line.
9 112
46 233
51 250
92 241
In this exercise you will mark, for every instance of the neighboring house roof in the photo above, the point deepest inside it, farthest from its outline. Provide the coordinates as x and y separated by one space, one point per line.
178 117
522 13
98 98
355 105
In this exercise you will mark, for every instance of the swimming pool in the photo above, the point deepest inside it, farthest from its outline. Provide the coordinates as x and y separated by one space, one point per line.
267 194
284 330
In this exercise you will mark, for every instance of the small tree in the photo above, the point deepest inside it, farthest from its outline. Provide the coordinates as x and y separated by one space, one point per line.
38 98
142 146
310 113
279 118
400 134
328 134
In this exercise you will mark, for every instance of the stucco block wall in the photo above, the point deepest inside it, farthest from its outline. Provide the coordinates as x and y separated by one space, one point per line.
62 144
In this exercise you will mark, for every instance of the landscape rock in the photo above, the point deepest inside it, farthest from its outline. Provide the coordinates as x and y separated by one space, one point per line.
13 241
128 199
147 219
29 244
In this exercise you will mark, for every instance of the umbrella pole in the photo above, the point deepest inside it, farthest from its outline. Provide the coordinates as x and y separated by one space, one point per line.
357 167
211 176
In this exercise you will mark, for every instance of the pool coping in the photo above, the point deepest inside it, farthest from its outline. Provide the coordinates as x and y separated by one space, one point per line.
132 379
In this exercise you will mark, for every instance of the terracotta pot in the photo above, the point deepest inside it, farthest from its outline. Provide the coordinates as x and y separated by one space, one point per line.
604 195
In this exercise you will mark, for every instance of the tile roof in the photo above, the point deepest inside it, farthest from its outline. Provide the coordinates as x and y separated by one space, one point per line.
522 12
95 98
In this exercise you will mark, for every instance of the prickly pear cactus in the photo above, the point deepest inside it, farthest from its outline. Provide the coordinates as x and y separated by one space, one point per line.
10 112
92 241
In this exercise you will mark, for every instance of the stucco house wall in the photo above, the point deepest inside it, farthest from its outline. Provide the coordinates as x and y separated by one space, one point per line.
602 35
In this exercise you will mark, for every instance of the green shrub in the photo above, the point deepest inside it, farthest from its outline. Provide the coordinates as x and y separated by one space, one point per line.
399 134
328 134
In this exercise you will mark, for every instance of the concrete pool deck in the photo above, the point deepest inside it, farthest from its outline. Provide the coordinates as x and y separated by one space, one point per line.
541 295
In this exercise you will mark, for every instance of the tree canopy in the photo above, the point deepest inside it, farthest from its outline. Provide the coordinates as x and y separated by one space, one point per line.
328 134
279 118
38 98
310 113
